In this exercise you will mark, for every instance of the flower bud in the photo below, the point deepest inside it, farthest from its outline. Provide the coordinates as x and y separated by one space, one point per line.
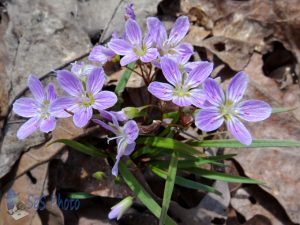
119 209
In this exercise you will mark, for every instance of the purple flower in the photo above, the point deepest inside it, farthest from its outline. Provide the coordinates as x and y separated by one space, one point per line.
134 47
229 107
83 98
184 89
36 109
119 209
82 70
101 54
170 45
130 11
125 137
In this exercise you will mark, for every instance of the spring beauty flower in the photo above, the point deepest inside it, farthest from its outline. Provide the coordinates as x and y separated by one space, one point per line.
129 11
36 109
184 88
134 47
229 108
84 97
101 54
170 45
125 137
118 210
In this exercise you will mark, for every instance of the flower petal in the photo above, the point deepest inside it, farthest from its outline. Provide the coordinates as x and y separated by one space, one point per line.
115 169
161 90
130 148
237 87
36 88
179 30
104 100
170 70
128 59
26 107
133 32
199 74
28 128
120 46
182 100
131 131
157 30
104 125
69 82
51 94
239 131
48 124
208 119
101 54
151 54
82 116
185 50
58 107
95 80
214 93
198 97
254 110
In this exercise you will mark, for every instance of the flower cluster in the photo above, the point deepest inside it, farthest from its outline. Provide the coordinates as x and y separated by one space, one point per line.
187 84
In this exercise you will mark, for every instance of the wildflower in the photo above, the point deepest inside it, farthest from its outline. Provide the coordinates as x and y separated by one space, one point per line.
83 98
36 109
134 47
125 137
184 89
170 45
119 209
130 11
229 107
82 70
101 54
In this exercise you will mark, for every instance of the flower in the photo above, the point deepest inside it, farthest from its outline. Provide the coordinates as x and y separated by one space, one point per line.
101 54
125 137
134 47
36 109
184 89
170 45
82 70
229 107
130 11
83 98
119 209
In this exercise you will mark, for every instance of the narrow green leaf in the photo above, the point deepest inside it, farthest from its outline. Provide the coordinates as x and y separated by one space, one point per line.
212 175
124 79
168 143
141 193
169 186
80 195
92 151
181 181
230 143
282 110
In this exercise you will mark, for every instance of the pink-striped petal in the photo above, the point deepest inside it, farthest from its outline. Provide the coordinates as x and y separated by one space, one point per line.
214 93
133 32
131 131
69 82
237 87
170 70
120 46
182 100
104 100
28 128
26 107
51 94
198 97
48 125
161 90
199 74
151 54
239 131
82 116
95 80
179 30
131 57
36 88
60 105
254 110
208 119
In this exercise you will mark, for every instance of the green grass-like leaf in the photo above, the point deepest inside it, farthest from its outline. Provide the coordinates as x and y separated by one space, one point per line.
231 143
141 193
89 150
124 79
169 186
80 195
